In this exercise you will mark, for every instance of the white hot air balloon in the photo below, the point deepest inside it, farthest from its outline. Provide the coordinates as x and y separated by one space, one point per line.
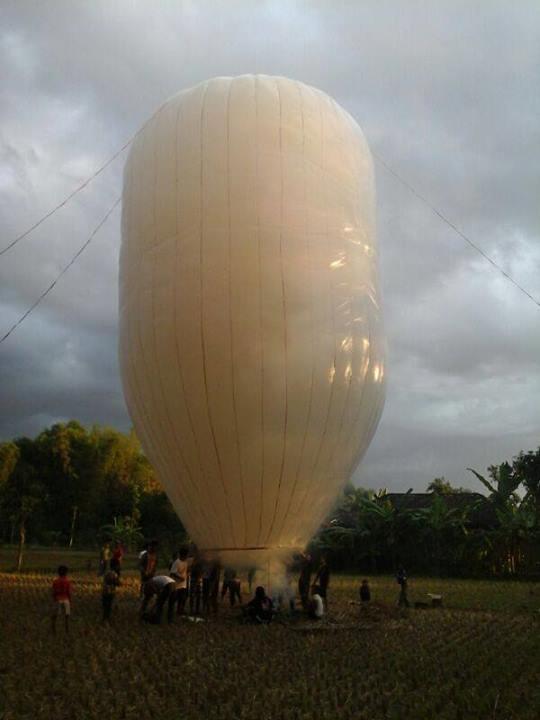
251 343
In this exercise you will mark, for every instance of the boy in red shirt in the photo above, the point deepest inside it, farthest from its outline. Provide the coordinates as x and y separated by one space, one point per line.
61 592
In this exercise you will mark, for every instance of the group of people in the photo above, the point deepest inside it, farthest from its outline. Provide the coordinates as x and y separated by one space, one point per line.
196 580
192 585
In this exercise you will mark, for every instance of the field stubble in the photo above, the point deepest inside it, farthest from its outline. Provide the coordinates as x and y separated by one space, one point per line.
477 657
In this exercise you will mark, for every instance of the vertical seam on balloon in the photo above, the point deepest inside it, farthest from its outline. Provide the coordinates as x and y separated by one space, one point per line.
153 323
148 426
203 342
308 244
175 321
132 377
181 491
231 337
284 310
260 305
314 483
179 495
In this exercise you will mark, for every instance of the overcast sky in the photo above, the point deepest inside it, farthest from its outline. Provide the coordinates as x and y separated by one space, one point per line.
447 93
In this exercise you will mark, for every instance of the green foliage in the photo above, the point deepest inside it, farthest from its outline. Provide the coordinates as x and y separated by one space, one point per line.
70 481
515 541
71 484
503 485
526 469
124 530
440 486
456 532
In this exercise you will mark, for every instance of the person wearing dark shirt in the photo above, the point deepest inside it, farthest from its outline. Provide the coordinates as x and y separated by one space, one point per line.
108 592
401 577
231 584
260 609
61 594
195 586
210 586
365 592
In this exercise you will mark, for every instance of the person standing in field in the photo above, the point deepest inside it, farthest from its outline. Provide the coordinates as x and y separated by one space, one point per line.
104 558
179 572
322 580
215 578
147 564
401 577
365 593
231 584
108 592
250 577
210 586
117 557
195 586
61 593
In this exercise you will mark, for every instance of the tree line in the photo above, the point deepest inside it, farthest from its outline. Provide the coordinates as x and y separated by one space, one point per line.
73 486
446 530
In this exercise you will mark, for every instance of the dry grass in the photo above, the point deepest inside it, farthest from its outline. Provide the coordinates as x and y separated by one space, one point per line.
448 663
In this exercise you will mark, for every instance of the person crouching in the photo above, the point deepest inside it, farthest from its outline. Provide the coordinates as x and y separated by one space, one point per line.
260 610
316 605
162 588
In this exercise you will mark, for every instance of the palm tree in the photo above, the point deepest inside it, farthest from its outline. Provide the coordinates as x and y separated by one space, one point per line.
503 486
516 517
526 469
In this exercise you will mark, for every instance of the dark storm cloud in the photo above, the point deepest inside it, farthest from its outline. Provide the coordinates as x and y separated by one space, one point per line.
447 94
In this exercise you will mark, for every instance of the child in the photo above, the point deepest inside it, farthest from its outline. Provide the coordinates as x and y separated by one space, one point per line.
365 592
61 592
110 583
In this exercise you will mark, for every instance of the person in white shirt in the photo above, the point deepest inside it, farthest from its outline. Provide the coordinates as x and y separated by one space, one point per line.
316 606
162 588
179 572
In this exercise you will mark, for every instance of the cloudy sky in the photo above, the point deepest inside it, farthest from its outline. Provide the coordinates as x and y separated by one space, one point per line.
448 94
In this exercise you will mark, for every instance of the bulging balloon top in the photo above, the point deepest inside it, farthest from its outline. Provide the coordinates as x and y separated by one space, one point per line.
251 341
